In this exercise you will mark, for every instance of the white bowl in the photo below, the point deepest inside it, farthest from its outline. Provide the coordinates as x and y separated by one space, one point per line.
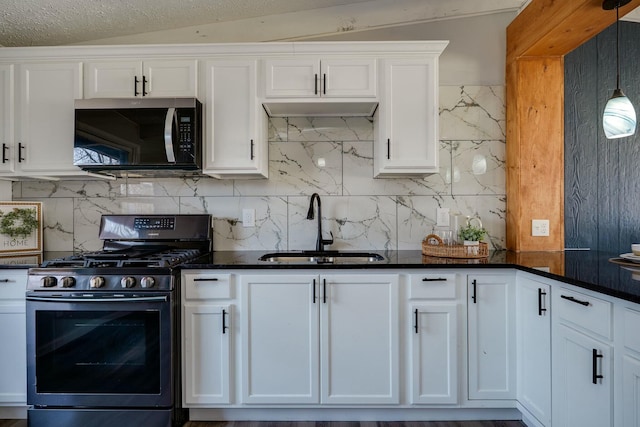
635 248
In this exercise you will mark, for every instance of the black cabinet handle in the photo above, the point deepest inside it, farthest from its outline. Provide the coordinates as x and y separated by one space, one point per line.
315 88
4 153
224 321
205 279
324 291
577 301
541 294
434 279
324 84
388 148
415 314
595 375
135 86
20 147
314 291
251 150
5 280
144 86
473 295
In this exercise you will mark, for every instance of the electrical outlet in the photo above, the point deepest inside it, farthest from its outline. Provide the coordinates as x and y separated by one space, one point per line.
540 227
442 217
248 217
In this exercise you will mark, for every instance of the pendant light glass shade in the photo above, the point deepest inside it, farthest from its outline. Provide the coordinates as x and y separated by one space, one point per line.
619 117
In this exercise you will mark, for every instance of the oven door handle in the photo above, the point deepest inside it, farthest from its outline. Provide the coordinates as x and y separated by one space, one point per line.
92 299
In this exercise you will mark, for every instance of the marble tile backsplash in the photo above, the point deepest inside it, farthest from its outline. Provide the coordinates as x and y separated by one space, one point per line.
360 211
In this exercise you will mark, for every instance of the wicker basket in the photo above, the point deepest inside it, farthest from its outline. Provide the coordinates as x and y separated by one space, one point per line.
432 245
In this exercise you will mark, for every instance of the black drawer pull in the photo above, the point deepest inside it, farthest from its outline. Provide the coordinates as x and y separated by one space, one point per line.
577 301
224 321
4 153
205 279
434 279
595 375
314 291
473 296
415 327
135 86
541 295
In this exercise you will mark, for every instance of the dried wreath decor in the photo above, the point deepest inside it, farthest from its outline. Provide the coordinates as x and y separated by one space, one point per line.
19 222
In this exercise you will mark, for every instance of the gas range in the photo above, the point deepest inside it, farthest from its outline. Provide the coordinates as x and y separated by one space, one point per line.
139 253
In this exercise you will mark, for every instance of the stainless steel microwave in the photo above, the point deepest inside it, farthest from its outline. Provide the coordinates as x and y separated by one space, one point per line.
153 135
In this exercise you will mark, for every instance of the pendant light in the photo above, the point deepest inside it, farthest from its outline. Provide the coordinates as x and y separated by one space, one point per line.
619 117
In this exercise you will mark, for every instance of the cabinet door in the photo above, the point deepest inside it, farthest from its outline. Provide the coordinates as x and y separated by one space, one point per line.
407 118
236 126
434 353
491 329
348 78
47 92
534 347
292 78
279 321
13 336
167 79
579 398
206 354
631 391
359 323
113 79
6 117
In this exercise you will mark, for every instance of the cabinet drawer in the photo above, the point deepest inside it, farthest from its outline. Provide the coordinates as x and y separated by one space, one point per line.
13 286
207 286
432 285
631 336
587 312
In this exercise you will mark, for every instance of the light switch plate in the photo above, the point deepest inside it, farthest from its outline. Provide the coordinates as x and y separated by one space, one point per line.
248 217
540 227
442 217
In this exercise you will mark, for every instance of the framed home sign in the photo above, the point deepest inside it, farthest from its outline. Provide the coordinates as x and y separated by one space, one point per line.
20 227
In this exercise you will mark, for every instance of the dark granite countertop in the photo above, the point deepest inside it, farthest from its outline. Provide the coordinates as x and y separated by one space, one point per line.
587 269
591 270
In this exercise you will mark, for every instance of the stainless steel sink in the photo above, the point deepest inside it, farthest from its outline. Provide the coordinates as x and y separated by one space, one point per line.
325 257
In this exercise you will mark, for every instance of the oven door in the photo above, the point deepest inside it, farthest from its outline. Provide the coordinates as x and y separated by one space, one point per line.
99 350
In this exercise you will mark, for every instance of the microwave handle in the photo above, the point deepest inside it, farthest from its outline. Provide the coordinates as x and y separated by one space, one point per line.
168 135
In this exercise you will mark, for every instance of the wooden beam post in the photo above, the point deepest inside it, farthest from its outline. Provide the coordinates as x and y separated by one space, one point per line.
537 40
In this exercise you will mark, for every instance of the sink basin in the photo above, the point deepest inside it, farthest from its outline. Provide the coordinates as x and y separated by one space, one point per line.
326 257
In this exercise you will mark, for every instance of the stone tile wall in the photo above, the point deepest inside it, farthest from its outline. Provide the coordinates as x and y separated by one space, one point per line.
361 212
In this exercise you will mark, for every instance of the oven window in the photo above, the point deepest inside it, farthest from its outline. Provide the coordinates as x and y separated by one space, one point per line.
98 352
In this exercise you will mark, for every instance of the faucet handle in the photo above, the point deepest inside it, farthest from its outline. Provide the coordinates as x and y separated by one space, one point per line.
328 241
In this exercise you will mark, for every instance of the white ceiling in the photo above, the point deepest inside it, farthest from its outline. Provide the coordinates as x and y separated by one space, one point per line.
61 22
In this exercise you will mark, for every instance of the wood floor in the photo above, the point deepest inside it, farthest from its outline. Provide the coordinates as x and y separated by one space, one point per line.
23 423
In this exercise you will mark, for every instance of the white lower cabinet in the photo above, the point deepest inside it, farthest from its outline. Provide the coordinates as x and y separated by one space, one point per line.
631 391
13 336
433 322
491 336
582 381
320 338
434 353
533 308
207 326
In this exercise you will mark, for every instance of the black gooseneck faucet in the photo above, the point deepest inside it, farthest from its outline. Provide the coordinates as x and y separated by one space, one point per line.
320 242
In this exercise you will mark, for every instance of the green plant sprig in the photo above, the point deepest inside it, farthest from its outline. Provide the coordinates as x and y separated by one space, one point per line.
18 223
472 233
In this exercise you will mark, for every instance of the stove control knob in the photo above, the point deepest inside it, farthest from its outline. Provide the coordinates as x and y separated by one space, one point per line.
68 282
49 282
147 282
128 282
96 282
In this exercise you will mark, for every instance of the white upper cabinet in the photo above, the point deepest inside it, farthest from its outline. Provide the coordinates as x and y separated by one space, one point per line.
327 78
6 116
236 143
407 118
129 79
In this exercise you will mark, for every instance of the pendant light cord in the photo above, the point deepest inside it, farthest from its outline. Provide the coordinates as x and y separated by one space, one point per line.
618 46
